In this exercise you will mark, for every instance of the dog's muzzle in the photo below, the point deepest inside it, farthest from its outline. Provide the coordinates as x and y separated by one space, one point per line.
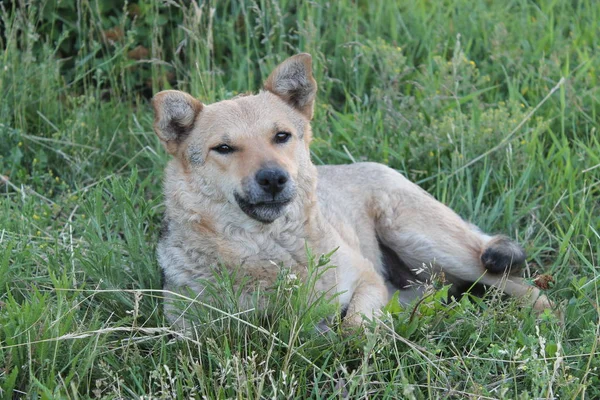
267 194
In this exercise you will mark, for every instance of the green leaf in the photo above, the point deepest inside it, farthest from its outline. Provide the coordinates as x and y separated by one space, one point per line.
551 349
393 306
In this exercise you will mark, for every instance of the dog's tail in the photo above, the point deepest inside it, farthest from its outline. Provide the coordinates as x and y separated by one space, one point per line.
501 255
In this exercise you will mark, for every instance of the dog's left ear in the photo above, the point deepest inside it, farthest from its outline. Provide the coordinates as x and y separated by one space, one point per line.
293 82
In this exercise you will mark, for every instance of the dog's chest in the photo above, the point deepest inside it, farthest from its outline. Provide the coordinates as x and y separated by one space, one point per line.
260 253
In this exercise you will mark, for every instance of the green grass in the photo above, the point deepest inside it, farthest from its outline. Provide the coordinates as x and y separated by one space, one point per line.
452 93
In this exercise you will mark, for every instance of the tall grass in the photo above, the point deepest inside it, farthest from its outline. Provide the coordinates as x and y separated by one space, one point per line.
456 94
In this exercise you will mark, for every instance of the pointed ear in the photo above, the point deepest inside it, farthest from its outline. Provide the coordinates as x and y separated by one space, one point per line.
174 115
293 82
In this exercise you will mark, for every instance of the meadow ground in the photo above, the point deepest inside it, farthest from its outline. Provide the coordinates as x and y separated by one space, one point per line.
493 107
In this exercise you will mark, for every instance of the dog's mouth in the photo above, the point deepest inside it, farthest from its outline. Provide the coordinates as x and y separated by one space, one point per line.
263 211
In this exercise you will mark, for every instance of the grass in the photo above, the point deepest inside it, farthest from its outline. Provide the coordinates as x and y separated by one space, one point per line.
463 97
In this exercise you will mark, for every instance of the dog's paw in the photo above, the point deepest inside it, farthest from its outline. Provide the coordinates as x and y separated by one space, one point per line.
353 321
502 255
358 321
542 303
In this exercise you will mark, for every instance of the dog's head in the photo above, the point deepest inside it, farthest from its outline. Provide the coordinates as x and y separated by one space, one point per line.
250 150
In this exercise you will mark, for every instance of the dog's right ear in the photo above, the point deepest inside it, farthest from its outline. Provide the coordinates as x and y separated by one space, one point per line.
174 115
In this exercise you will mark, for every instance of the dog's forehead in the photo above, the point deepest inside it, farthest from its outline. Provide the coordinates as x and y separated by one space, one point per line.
249 115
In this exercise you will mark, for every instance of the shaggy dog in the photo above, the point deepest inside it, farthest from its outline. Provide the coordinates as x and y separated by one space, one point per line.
242 193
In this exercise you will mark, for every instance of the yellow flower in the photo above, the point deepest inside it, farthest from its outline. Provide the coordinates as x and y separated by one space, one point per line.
36 217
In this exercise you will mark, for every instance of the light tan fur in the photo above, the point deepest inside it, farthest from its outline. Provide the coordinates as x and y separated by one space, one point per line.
359 209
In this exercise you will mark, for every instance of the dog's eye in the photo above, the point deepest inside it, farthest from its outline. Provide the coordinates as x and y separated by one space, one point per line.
223 149
282 137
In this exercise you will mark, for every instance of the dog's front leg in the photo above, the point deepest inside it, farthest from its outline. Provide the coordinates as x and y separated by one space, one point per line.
363 291
370 295
178 303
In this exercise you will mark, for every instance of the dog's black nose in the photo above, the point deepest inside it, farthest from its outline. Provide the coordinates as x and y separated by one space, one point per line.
272 180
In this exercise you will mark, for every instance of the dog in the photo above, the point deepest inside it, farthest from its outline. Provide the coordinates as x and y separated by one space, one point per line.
241 193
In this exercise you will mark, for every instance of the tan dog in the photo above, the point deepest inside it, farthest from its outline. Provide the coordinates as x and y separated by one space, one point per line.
242 192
